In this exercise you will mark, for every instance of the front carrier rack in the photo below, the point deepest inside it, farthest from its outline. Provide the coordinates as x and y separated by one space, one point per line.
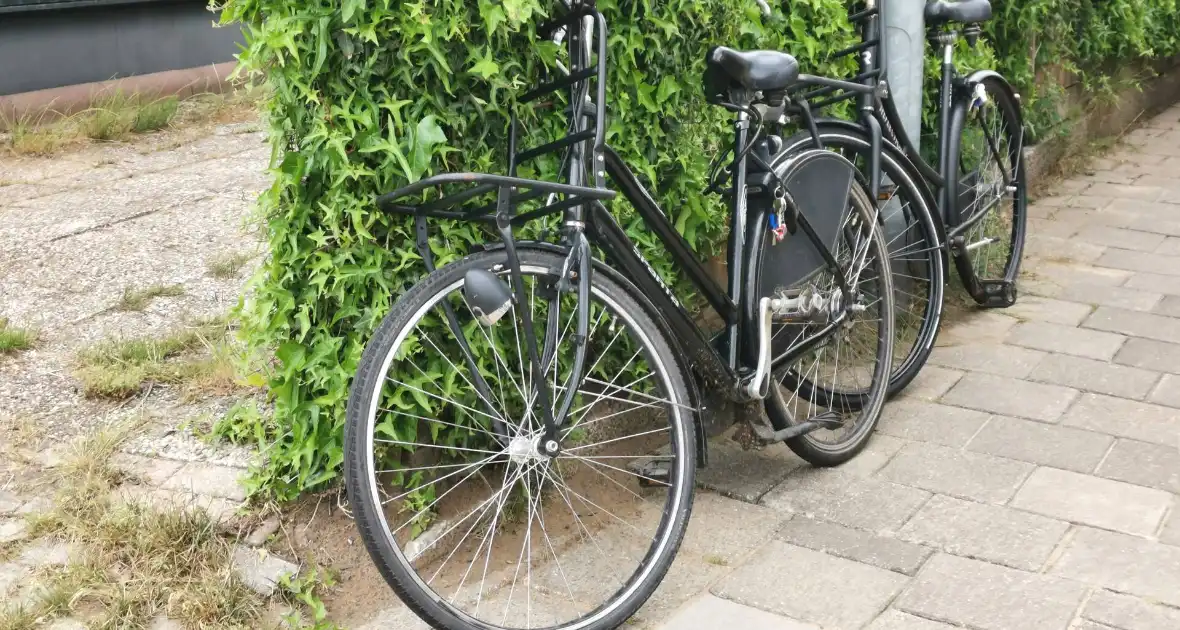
495 199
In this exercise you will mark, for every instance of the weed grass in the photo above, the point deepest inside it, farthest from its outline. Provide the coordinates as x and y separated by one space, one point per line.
226 267
118 116
119 369
138 299
138 560
13 339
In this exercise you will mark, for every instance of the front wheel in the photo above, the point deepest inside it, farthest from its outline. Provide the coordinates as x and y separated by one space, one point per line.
989 190
468 517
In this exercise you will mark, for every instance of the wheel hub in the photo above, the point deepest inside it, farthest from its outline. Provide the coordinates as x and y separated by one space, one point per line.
524 449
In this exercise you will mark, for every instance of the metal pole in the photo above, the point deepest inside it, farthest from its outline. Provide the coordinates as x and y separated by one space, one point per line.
905 46
904 53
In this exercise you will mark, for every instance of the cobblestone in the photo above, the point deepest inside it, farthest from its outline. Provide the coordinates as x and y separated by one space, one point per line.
1039 443
1143 464
1011 397
1066 339
986 532
1123 563
835 593
1095 376
1093 501
1125 418
982 595
947 471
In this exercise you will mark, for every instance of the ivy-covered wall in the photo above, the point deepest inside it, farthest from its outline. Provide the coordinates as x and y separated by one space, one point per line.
369 94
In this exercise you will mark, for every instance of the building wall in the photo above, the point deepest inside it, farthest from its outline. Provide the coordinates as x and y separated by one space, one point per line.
51 43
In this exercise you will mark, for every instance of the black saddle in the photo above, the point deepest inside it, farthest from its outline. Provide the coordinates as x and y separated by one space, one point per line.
961 11
756 70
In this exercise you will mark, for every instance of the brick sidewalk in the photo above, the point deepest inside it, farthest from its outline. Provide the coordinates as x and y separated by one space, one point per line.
1028 479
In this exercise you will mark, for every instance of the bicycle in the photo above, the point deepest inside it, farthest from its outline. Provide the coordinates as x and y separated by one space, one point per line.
524 435
979 179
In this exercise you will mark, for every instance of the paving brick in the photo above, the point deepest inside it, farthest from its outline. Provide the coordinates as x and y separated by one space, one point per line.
948 471
1124 611
1095 376
880 449
1150 354
1011 397
1170 247
1088 201
1042 309
1125 191
1093 501
896 620
1041 223
49 553
1143 464
979 327
930 422
1170 183
1139 261
13 530
687 577
1121 238
840 497
1170 534
1080 342
709 613
832 592
1053 279
1123 563
987 532
1125 418
1154 282
727 529
1169 306
853 544
1117 297
207 479
10 503
1167 392
987 357
990 597
1039 443
743 474
1055 248
931 383
152 470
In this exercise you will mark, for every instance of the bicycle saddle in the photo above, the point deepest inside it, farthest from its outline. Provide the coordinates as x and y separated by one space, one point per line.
758 70
961 11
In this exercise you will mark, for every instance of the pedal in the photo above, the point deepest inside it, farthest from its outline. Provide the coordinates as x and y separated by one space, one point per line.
652 473
827 420
997 293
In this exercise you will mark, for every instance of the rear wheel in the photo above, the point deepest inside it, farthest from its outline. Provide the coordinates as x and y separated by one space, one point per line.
845 376
470 521
915 249
990 188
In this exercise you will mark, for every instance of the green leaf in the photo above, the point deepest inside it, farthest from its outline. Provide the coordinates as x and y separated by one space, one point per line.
426 136
485 67
350 8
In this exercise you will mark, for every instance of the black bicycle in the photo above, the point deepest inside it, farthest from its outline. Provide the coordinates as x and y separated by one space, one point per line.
524 428
971 207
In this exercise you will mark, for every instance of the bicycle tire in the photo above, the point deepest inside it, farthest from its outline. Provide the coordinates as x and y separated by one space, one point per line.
1010 124
911 350
808 394
360 467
